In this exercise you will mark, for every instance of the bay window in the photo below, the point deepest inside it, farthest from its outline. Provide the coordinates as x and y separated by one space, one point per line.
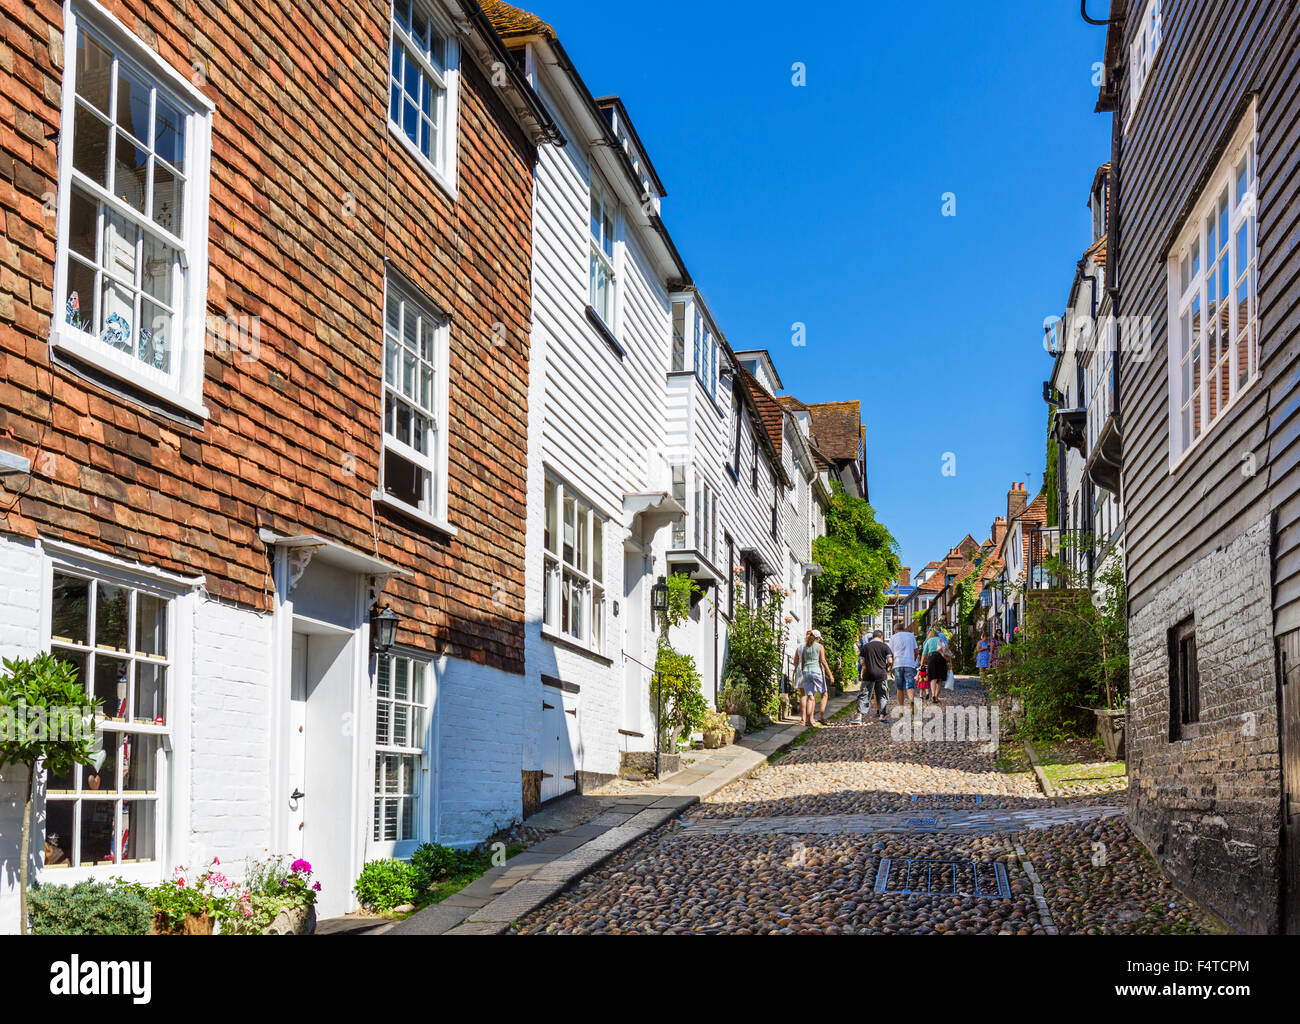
706 511
413 472
131 258
108 812
1214 330
679 336
679 496
573 578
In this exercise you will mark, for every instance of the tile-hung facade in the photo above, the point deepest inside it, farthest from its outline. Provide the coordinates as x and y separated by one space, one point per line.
1203 270
267 365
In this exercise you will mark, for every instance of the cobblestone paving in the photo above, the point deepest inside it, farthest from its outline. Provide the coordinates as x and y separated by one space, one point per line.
797 848
917 821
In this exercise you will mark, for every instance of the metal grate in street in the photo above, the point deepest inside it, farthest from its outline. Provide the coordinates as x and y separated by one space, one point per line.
968 878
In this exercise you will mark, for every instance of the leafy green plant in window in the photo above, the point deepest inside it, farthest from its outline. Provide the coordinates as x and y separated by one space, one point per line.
46 722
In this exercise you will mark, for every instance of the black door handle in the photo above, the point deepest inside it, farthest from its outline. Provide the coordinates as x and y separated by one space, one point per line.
297 794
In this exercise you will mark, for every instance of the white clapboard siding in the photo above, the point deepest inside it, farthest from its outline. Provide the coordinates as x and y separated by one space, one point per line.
596 421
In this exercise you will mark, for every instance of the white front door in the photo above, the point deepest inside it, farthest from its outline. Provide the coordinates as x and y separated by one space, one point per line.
634 674
297 743
321 772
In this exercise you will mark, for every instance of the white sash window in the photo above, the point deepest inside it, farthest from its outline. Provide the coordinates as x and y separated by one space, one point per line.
1214 309
131 261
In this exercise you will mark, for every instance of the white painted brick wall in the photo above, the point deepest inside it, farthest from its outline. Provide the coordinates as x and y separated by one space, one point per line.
481 725
230 735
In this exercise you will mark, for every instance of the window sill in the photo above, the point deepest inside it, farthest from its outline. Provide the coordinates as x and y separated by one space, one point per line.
69 344
440 178
437 523
560 640
606 335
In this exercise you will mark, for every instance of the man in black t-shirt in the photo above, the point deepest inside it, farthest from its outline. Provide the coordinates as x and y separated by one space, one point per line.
875 661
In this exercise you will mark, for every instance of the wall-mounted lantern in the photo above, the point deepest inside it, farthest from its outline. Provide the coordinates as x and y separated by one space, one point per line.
659 597
383 630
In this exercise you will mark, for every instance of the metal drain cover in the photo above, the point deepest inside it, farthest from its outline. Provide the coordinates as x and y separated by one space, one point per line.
968 878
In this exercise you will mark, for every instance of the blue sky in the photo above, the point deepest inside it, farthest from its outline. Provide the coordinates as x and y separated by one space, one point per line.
822 205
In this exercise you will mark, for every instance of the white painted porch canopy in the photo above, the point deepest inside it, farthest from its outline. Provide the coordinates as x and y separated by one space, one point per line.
654 509
304 547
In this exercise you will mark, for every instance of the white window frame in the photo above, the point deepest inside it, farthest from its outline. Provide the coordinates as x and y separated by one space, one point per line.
435 462
676 357
1192 247
583 572
418 747
181 385
1142 52
678 482
601 257
441 163
171 809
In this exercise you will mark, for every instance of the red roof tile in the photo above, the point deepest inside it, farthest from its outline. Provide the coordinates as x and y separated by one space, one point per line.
837 428
514 21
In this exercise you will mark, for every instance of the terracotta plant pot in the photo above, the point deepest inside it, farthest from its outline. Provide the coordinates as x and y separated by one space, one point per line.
194 924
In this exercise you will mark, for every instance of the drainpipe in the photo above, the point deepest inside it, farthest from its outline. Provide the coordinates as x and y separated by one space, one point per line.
717 593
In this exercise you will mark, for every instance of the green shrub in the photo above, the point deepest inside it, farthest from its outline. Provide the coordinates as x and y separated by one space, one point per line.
385 884
734 700
755 646
88 908
682 702
433 863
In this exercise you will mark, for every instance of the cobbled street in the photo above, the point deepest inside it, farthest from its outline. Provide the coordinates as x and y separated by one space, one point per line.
857 832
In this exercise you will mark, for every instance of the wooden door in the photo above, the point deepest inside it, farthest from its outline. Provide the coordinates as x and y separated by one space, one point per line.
1289 662
558 775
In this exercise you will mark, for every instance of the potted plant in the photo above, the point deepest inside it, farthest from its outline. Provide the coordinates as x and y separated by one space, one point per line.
189 903
273 900
1112 635
718 731
50 722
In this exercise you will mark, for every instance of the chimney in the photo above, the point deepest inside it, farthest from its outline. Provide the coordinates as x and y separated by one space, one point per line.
999 530
1017 499
905 576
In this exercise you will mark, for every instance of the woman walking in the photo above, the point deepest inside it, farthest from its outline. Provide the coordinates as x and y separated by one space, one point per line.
983 658
935 655
813 673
